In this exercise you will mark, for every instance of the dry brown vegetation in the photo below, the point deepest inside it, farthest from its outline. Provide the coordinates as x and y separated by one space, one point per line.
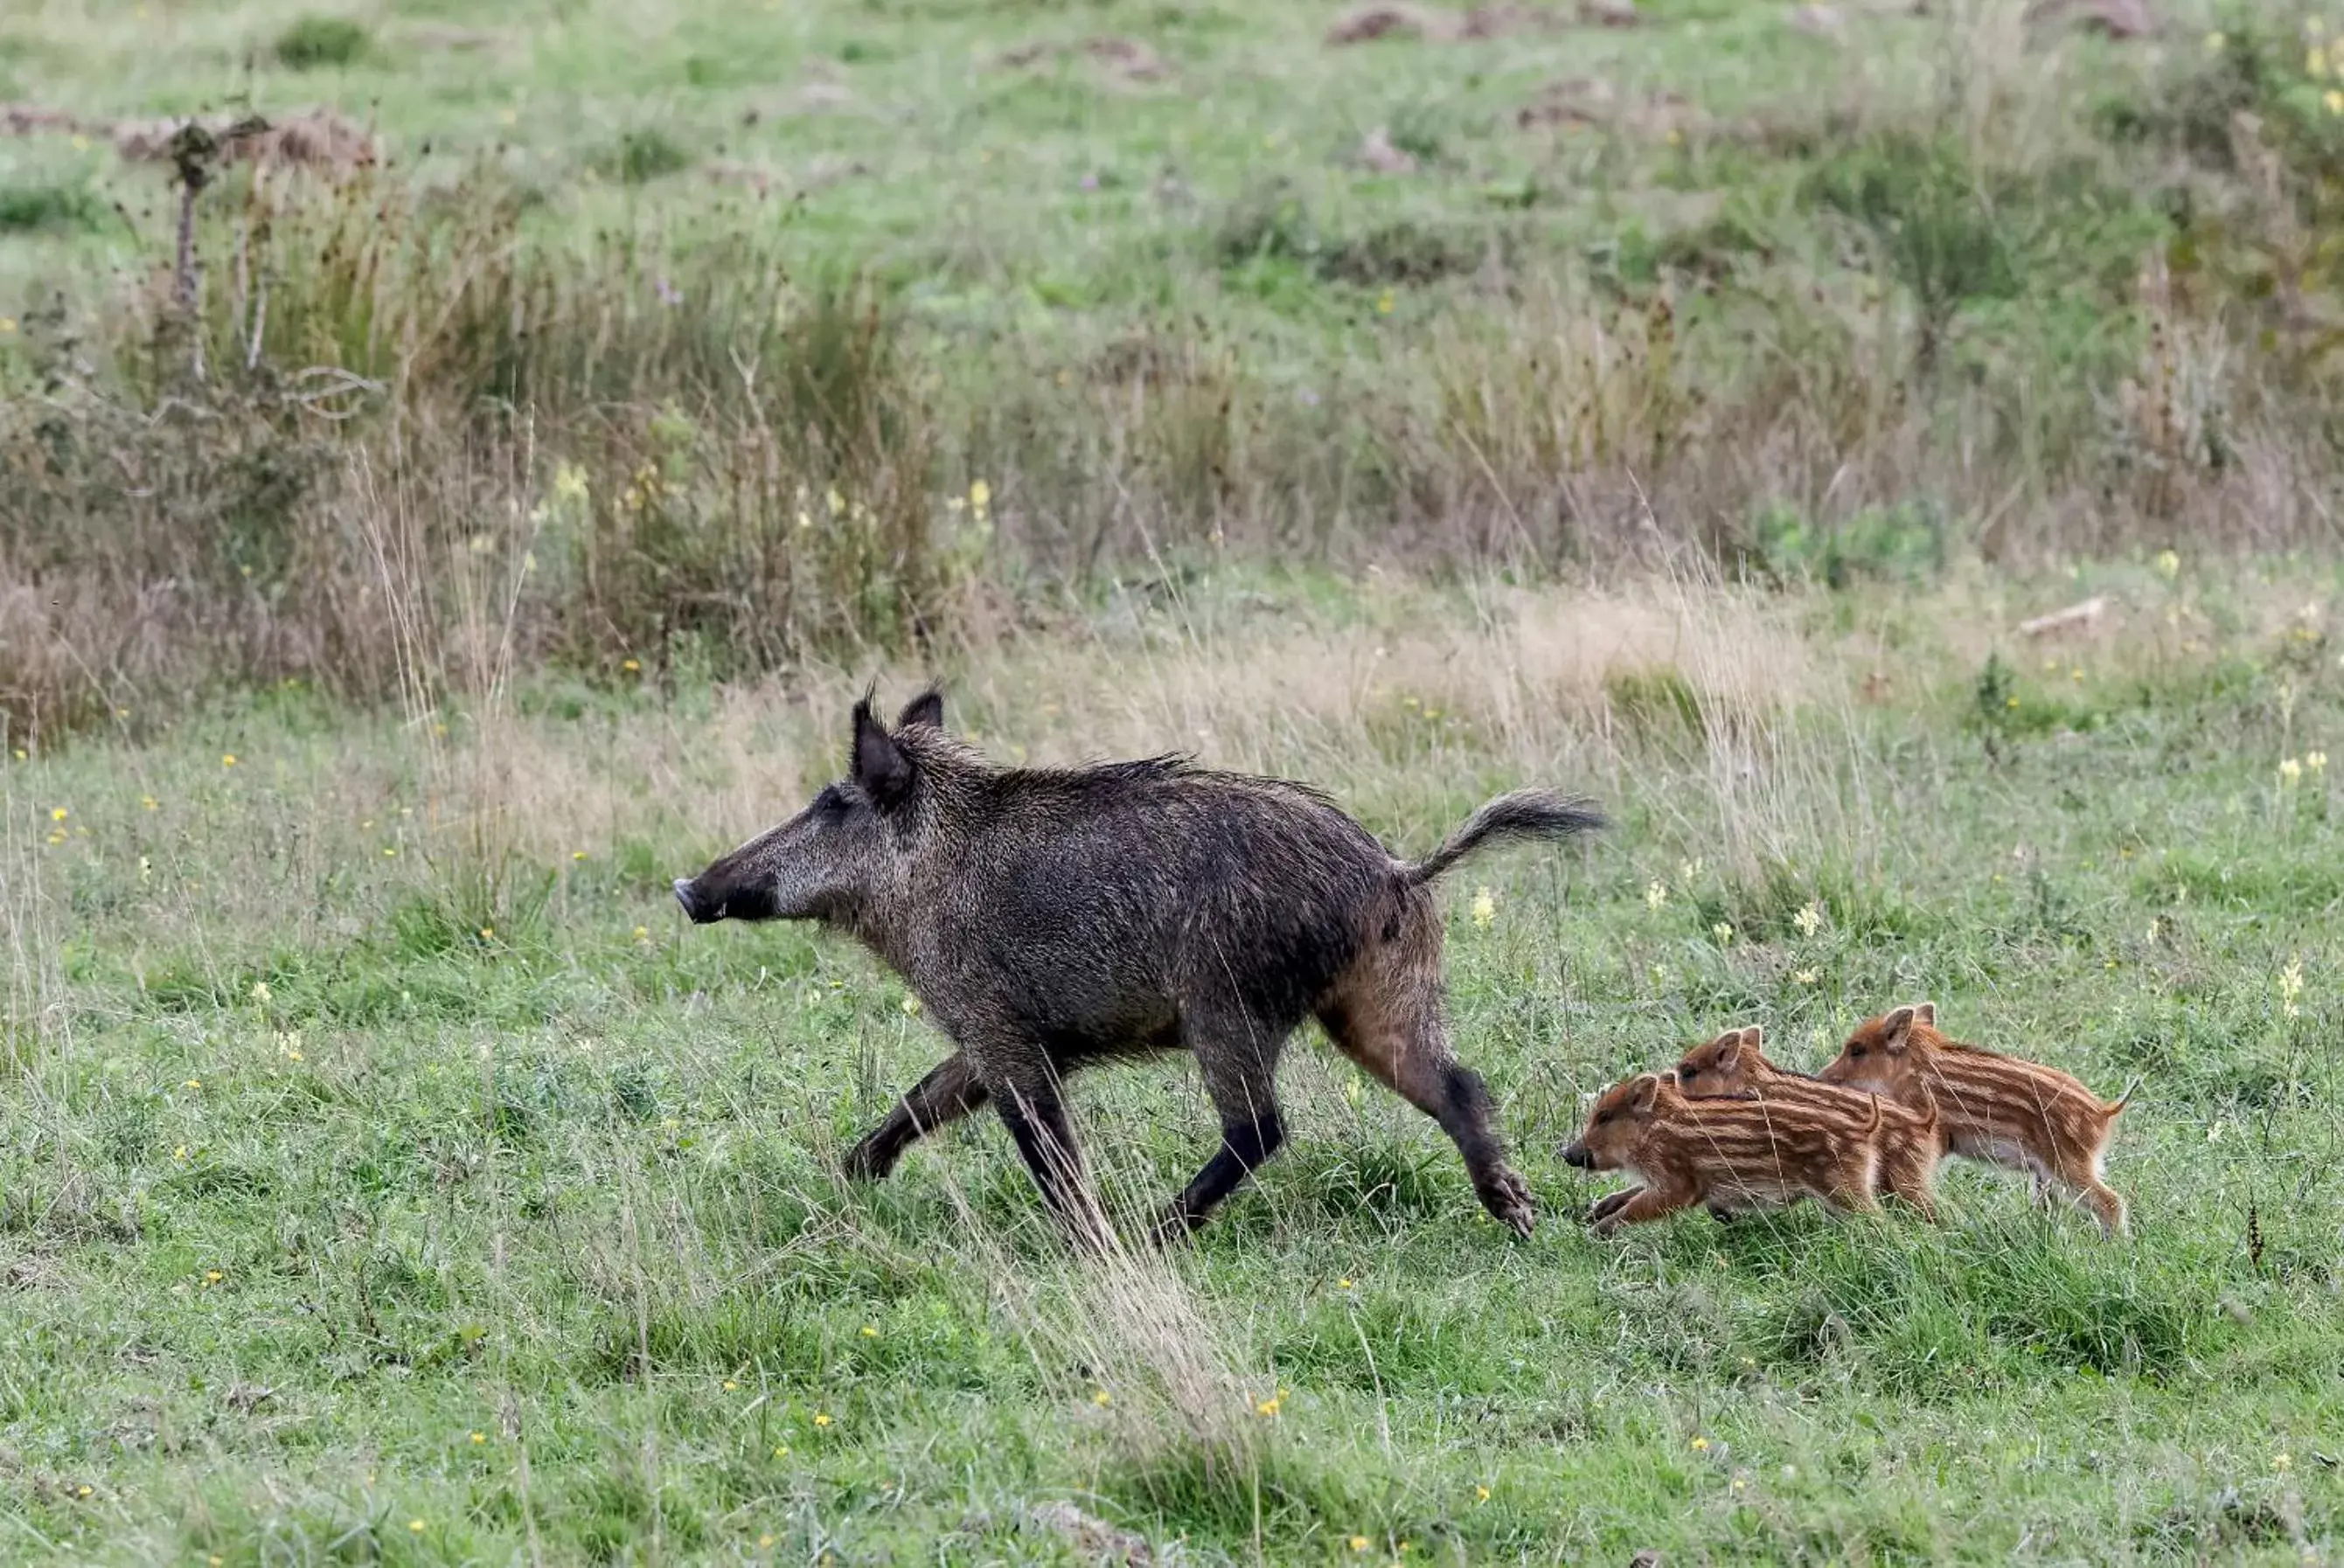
386 403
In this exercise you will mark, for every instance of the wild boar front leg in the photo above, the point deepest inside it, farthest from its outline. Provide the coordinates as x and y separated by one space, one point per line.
1240 1072
950 1092
1037 1118
1645 1205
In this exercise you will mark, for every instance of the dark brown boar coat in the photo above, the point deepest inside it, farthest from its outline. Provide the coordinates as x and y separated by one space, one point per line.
1051 917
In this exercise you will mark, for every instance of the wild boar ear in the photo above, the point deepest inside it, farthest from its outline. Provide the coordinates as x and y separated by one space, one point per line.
1644 1091
1897 1029
927 709
880 768
1754 1036
1925 1014
1729 1050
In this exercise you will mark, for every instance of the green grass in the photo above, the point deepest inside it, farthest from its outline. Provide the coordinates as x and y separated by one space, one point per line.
313 42
386 1174
456 1203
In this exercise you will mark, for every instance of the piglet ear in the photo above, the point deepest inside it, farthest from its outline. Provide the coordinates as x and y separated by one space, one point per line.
927 709
1897 1029
881 770
1753 1037
1644 1092
1729 1050
1925 1014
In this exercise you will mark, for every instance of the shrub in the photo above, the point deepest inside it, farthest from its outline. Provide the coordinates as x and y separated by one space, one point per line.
641 156
58 208
321 43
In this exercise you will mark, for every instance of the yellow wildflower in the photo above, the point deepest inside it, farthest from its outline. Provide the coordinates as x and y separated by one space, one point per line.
1808 918
1485 907
58 813
228 759
821 1418
1655 895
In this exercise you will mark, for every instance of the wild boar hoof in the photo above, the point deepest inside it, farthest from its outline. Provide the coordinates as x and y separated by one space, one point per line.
1611 1203
864 1163
1508 1198
1173 1228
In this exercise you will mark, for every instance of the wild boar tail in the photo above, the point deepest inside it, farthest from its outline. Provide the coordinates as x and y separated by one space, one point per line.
1524 814
2115 1108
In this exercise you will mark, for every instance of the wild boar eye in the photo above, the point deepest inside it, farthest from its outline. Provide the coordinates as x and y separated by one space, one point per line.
1854 1052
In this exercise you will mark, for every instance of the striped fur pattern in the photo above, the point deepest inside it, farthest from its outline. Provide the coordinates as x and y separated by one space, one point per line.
1911 1143
1727 1154
1997 1109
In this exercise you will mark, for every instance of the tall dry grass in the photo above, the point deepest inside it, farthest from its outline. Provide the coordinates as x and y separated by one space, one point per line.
715 464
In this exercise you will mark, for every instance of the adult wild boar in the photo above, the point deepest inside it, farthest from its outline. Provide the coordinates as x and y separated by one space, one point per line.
1050 918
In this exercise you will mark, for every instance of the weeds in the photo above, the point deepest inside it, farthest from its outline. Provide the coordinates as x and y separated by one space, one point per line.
319 43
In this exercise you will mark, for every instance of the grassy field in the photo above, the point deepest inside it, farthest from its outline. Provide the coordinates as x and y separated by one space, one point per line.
1688 414
390 1175
628 290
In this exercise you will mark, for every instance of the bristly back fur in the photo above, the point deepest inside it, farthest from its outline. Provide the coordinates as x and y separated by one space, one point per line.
1048 917
1524 814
